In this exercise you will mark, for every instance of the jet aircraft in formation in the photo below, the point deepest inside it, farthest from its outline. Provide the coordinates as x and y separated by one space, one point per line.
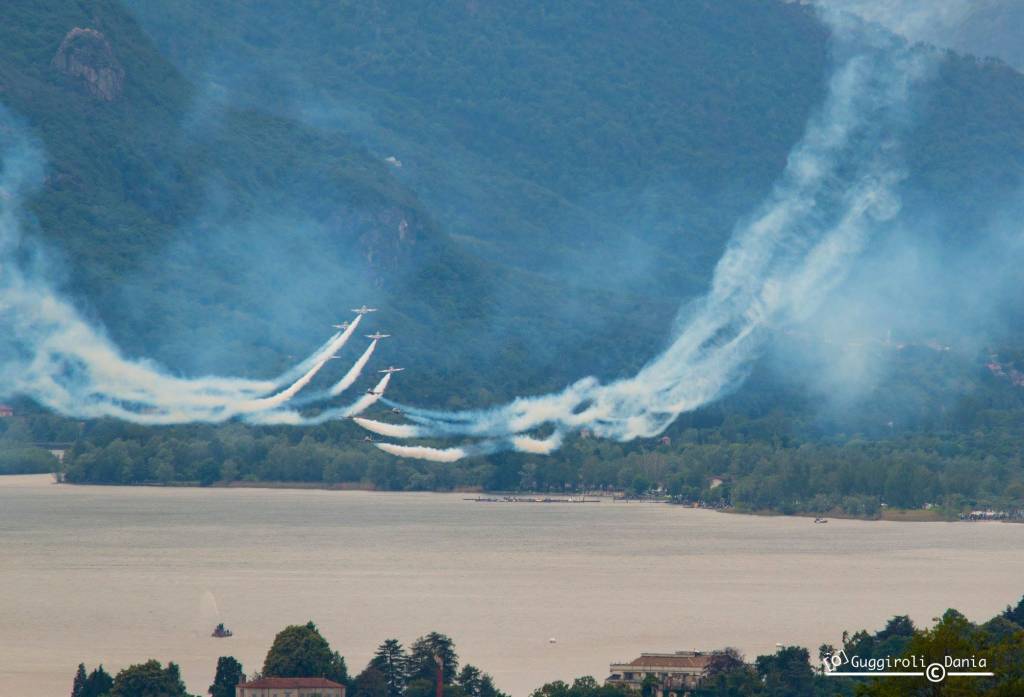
376 336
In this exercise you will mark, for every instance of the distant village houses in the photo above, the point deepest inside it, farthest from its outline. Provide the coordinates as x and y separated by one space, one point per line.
290 687
986 515
672 674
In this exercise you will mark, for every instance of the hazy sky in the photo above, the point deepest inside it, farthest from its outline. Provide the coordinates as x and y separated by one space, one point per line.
979 27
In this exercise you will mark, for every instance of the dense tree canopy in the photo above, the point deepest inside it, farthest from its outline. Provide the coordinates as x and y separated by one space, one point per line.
425 654
585 686
95 684
370 683
301 651
149 679
229 674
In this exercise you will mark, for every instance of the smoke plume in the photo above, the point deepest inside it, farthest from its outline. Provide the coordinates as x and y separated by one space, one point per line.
51 354
837 190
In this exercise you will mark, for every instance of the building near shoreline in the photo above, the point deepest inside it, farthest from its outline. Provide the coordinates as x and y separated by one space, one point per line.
290 687
672 674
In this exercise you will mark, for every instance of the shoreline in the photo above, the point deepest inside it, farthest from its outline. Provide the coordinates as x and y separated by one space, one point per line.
888 515
897 515
892 515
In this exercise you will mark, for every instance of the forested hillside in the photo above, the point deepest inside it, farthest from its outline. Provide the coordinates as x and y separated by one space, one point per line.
529 192
225 209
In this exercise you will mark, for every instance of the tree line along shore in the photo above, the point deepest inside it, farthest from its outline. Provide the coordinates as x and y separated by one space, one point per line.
301 651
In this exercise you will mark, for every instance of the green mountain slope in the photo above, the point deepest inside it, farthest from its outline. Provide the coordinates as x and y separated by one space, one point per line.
595 156
529 192
136 180
602 153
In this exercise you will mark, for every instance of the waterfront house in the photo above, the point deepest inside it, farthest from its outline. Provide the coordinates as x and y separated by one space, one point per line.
673 674
290 687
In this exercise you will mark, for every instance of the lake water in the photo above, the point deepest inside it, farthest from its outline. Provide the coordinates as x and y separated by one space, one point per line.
121 574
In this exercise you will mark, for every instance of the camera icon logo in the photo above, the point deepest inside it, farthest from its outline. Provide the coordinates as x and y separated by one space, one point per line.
837 659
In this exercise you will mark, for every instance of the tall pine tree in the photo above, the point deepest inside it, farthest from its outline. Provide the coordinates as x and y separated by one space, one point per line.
79 684
393 663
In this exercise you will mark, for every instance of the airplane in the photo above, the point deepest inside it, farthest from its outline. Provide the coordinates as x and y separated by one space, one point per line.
343 325
331 358
377 335
391 369
375 394
396 410
369 439
363 310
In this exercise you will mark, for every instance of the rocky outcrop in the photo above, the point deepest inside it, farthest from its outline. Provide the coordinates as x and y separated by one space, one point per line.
86 54
386 238
384 235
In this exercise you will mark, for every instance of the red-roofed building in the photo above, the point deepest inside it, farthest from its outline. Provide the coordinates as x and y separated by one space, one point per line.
290 687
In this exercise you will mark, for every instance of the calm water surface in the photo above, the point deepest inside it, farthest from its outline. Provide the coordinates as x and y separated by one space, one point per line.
117 575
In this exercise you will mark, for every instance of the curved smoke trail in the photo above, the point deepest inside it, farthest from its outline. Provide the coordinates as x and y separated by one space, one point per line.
363 403
838 186
420 452
525 444
51 354
354 372
391 430
294 418
284 395
326 351
346 381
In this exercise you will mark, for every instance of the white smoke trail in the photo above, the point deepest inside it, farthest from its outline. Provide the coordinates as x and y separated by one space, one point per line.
390 430
523 444
370 398
49 353
423 453
354 372
346 381
294 418
838 186
526 444
322 356
282 396
329 348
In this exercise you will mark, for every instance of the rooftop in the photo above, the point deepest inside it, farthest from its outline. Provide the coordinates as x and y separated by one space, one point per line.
679 659
290 682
